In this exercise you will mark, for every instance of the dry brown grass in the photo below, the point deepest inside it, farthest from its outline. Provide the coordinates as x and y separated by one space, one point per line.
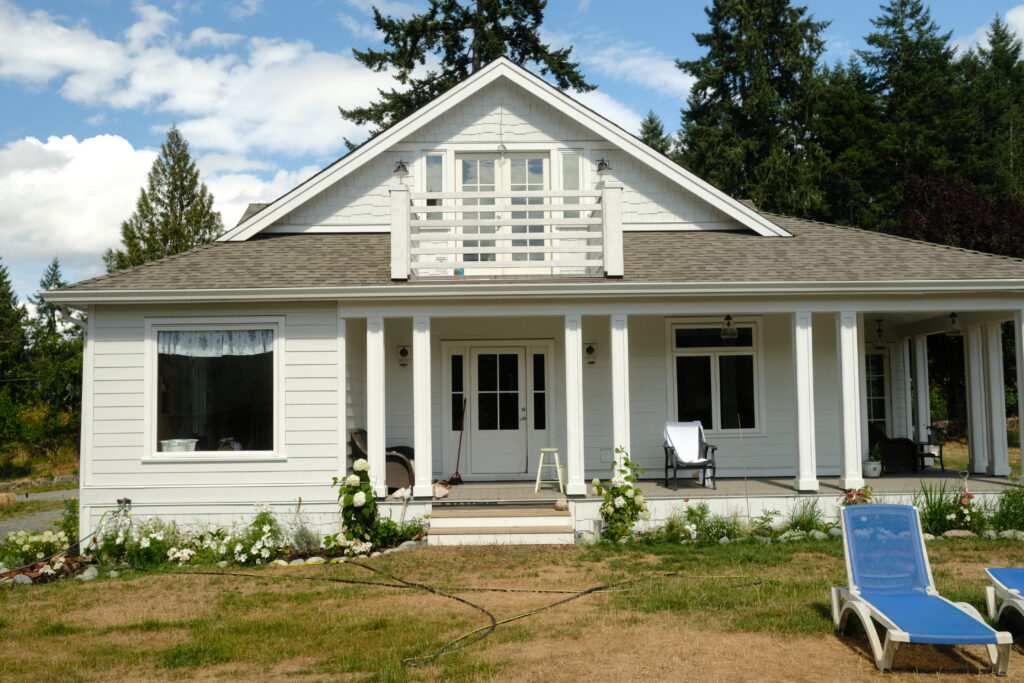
196 627
955 456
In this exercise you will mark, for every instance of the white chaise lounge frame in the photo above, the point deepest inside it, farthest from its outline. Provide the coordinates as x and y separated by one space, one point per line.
999 598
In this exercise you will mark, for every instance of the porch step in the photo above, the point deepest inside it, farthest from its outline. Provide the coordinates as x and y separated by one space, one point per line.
499 525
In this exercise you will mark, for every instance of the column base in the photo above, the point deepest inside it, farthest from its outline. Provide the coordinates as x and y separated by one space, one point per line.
576 489
423 491
380 491
807 485
851 482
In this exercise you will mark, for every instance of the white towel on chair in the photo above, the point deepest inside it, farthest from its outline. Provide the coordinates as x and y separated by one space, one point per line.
687 441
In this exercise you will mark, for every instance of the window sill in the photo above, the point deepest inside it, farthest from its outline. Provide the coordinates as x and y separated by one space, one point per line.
216 457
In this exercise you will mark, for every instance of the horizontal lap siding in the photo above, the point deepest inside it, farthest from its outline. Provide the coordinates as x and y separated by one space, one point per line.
309 381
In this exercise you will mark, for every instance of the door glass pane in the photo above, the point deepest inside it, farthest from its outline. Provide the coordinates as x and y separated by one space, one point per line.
457 407
693 385
434 178
538 372
508 409
487 411
508 372
487 371
539 411
711 337
457 372
736 377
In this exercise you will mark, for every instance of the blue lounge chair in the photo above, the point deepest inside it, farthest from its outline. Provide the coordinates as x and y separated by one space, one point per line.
891 584
1007 588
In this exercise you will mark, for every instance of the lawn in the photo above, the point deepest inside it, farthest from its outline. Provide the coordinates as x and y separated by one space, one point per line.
27 507
722 612
955 456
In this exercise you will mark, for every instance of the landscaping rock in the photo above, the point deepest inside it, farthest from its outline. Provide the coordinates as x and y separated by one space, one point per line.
113 573
222 564
835 531
928 537
21 579
279 563
316 560
724 539
298 561
89 574
1012 533
818 535
410 545
375 554
588 538
959 533
989 533
762 539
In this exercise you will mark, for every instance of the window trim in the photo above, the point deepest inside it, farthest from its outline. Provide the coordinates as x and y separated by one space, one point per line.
756 323
153 325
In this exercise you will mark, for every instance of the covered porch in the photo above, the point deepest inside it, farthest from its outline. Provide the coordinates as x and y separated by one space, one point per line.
802 388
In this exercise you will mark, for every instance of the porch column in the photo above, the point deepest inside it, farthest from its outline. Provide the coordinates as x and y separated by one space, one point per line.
901 353
977 409
574 404
1018 345
423 463
342 394
999 456
620 383
803 363
375 403
922 392
852 475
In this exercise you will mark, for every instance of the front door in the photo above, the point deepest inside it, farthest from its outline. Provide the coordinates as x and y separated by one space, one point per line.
497 410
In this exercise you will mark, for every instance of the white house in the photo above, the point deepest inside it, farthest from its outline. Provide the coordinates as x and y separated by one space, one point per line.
509 250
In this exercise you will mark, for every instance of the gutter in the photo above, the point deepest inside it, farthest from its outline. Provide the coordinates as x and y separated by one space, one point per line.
463 291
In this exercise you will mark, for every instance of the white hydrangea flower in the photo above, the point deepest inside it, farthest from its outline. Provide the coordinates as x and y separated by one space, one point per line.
645 515
619 501
352 480
629 493
144 543
359 499
361 465
639 498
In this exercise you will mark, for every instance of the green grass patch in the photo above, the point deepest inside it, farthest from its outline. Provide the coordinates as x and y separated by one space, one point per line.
27 507
58 628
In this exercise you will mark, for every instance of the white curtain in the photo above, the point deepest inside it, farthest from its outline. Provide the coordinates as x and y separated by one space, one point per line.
215 343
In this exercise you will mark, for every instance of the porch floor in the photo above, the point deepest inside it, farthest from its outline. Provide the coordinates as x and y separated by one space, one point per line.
511 491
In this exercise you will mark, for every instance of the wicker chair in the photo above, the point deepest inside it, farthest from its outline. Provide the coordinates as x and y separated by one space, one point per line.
398 469
897 454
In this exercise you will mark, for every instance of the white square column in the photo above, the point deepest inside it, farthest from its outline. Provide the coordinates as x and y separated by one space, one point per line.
423 464
999 454
375 407
977 401
1018 345
803 363
574 404
620 383
851 457
922 390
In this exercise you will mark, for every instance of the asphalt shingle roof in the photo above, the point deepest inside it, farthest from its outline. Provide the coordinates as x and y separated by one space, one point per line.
817 252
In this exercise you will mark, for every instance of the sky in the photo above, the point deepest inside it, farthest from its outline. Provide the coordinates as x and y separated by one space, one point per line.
89 88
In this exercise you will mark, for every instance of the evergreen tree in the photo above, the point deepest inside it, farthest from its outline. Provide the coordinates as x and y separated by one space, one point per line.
747 125
174 212
909 67
467 35
46 313
652 133
13 337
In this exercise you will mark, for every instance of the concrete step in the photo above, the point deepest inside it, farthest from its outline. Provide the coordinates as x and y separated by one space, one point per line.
499 535
439 512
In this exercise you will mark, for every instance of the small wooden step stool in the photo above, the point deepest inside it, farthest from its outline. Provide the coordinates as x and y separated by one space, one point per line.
557 464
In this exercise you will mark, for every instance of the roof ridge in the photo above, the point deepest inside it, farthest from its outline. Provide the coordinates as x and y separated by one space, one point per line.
901 238
147 264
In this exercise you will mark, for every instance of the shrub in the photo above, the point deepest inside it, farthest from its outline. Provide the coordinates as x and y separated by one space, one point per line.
623 503
1009 511
25 547
69 520
936 509
806 516
389 533
259 542
358 504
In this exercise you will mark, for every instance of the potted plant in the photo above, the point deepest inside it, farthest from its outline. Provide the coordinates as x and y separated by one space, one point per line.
873 465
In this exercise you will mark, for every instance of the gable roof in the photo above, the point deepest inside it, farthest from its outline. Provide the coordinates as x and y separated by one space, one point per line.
502 68
819 256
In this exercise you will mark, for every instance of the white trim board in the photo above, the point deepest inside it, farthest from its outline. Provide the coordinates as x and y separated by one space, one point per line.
503 68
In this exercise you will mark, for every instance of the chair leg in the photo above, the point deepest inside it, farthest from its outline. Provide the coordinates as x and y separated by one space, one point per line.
990 601
888 651
1001 662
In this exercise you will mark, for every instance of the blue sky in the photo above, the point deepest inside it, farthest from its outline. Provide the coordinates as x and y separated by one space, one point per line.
88 90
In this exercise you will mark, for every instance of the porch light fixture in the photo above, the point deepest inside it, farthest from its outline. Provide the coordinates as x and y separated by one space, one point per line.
404 355
879 334
954 330
603 167
729 330
590 353
401 169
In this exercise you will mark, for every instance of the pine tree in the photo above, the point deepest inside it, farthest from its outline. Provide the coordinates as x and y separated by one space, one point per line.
174 212
46 313
746 127
13 337
467 35
909 67
652 133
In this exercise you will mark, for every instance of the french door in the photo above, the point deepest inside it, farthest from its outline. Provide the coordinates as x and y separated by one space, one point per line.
497 417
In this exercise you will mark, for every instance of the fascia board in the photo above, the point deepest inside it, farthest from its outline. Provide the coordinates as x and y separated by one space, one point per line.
590 290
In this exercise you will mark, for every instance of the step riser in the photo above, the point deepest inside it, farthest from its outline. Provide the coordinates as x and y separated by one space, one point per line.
502 539
456 522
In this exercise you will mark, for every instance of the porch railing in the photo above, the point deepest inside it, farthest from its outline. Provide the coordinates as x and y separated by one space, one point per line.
486 234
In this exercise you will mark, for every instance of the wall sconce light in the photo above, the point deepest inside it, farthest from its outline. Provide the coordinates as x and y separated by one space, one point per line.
729 330
879 334
954 330
404 355
401 169
590 354
603 167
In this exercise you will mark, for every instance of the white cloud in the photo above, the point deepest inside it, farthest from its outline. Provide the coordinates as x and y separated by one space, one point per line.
584 5
207 36
96 119
389 8
243 9
218 163
232 192
610 108
1014 18
643 66
360 29
275 96
65 198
